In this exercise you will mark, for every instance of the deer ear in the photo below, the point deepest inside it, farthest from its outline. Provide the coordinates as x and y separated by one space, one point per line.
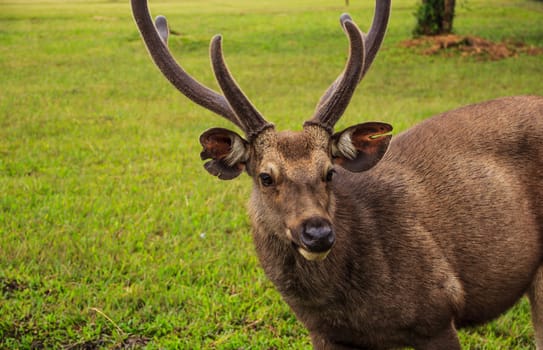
361 146
227 150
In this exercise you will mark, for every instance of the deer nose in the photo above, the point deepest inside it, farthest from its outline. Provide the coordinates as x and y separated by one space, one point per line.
317 235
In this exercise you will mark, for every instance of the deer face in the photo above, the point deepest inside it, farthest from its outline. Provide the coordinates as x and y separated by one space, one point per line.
292 189
293 175
293 172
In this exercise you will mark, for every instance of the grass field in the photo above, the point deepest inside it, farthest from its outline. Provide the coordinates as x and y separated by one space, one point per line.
112 235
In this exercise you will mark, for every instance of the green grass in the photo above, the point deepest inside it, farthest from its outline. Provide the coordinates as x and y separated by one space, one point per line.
112 233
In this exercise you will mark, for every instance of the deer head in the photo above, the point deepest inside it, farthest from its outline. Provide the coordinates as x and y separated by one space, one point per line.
293 172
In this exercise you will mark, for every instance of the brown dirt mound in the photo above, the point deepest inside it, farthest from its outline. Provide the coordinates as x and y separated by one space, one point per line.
472 46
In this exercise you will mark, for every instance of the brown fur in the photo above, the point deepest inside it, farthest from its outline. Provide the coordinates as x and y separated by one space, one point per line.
396 249
446 231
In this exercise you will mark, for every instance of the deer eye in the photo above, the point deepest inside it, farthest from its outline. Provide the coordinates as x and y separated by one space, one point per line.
266 179
329 175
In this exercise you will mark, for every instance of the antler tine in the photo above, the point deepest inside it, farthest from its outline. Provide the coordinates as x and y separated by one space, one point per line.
372 42
155 39
249 116
336 99
161 25
377 31
332 87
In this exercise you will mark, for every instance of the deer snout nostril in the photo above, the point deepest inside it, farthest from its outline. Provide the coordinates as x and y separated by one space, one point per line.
317 235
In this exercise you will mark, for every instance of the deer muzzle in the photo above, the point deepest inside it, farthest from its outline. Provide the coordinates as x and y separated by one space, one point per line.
316 238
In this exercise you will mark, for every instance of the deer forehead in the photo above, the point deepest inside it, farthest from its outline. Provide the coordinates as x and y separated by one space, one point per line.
294 154
298 146
292 144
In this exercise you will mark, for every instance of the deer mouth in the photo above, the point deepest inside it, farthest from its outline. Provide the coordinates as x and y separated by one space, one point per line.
313 256
316 253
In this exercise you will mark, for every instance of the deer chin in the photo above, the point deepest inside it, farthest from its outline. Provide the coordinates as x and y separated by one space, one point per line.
311 256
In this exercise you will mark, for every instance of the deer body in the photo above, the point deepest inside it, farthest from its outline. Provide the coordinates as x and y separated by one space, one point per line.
440 232
377 244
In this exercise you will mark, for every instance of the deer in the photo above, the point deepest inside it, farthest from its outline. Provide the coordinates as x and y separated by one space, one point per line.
374 241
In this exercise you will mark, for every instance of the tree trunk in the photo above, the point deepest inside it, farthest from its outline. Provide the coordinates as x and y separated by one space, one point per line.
448 15
435 17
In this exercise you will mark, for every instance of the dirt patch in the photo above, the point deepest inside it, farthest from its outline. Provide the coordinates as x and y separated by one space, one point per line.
10 286
470 46
133 342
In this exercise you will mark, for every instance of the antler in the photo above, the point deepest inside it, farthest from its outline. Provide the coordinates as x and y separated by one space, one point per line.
337 97
236 107
253 121
377 31
334 101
